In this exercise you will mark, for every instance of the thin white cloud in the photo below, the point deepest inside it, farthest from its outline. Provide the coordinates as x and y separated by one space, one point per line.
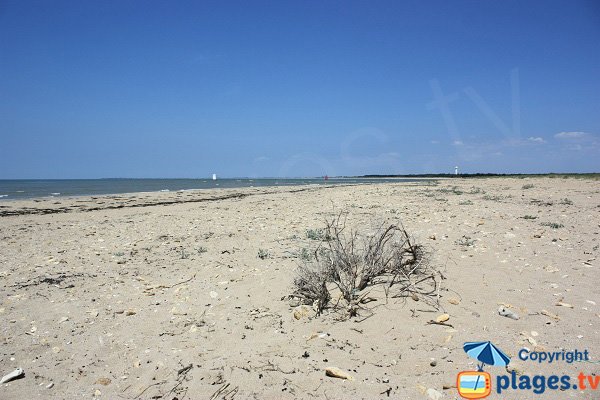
434 141
571 135
457 143
536 139
261 159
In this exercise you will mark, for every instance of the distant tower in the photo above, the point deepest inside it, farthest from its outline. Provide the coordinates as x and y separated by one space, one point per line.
456 170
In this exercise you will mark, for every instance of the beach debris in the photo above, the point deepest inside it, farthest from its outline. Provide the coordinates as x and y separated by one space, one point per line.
534 334
97 393
433 394
449 386
178 311
213 294
549 314
56 349
335 372
130 313
551 269
505 312
560 303
16 374
433 362
453 300
301 312
50 385
432 322
63 319
103 381
317 335
442 318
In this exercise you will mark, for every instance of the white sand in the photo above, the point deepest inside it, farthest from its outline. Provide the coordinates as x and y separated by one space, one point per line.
128 312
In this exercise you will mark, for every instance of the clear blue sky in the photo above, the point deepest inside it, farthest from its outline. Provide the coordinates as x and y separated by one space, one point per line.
297 88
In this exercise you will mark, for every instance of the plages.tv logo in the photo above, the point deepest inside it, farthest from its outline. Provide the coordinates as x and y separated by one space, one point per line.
478 384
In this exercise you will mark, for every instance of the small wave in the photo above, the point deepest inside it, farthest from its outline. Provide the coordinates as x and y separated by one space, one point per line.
19 191
55 194
3 195
164 190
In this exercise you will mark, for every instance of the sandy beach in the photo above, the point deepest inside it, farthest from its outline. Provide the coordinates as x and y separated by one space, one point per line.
164 295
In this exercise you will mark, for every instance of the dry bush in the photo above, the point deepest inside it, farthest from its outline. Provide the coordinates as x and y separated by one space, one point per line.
352 262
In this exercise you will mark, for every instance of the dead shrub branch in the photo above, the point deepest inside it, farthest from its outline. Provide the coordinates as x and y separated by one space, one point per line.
351 262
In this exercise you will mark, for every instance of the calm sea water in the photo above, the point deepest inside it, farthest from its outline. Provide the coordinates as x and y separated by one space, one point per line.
31 188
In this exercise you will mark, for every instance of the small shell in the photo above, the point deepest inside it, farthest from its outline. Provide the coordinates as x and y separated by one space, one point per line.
442 318
335 372
505 312
16 374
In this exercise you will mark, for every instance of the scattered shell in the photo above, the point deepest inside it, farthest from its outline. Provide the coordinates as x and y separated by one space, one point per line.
302 311
549 314
16 374
178 311
505 312
534 333
317 335
97 393
213 294
551 269
415 297
453 300
335 372
562 304
103 381
50 385
63 319
130 313
434 394
56 349
442 318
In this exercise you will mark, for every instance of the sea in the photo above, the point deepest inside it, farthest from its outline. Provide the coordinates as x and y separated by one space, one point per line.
38 188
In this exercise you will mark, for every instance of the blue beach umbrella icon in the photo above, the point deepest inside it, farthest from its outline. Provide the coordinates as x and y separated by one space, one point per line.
486 353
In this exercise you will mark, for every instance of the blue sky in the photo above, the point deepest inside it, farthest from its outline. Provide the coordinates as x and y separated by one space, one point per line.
297 88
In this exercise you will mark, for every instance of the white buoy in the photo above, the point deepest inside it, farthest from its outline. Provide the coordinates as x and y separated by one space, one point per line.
214 177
